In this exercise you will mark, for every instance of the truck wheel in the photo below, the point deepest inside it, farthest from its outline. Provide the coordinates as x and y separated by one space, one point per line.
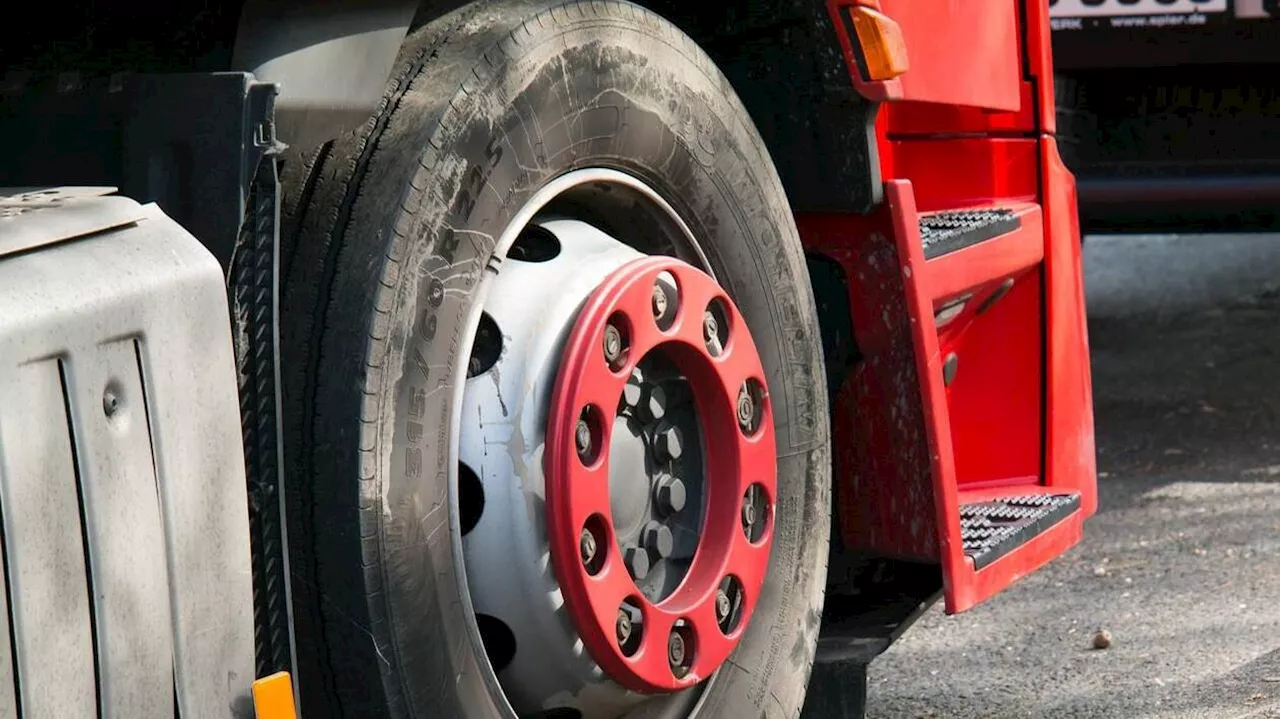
558 437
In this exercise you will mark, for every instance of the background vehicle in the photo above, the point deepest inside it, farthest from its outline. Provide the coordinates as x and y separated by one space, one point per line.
1167 110
592 359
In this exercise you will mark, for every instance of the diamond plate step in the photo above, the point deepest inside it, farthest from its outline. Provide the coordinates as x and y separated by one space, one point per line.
945 232
992 529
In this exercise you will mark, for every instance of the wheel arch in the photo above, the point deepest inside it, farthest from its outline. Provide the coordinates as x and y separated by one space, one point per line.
333 57
784 60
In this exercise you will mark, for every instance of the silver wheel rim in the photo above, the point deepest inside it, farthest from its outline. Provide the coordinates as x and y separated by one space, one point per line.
596 696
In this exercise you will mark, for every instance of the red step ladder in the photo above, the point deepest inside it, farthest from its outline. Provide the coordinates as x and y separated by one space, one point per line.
964 433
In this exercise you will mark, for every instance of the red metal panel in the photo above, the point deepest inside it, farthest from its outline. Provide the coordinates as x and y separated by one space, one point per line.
932 395
962 52
995 401
883 466
1071 461
1040 61
910 115
928 119
965 172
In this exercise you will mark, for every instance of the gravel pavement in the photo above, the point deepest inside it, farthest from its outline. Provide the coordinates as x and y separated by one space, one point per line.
1182 562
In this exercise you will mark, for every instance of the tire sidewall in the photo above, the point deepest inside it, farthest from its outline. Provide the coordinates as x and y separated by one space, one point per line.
573 86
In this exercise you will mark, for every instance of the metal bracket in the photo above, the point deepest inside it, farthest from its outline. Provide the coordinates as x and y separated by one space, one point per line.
880 599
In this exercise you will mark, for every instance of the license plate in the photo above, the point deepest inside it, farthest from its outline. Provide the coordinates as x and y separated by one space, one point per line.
1118 8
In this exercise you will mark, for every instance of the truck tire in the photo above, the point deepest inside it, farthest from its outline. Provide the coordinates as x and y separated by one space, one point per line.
390 237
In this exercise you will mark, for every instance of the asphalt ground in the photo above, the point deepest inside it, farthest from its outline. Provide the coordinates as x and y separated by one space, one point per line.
1181 565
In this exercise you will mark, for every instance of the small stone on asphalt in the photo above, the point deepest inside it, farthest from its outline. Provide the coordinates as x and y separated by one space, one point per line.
1101 639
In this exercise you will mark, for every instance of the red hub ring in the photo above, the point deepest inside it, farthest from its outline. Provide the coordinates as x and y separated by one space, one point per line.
739 461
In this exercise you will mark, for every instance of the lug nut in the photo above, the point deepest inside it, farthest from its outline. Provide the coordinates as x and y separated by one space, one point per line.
671 495
722 606
633 390
587 545
669 443
659 540
637 561
752 511
676 650
654 406
659 302
612 343
746 409
582 437
623 626
711 333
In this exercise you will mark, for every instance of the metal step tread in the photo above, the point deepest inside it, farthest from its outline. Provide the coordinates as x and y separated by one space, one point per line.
992 529
945 232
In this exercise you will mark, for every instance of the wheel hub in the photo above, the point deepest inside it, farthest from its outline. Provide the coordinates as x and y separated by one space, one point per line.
675 635
603 474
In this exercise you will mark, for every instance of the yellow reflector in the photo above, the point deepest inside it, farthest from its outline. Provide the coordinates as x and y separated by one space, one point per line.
273 697
882 46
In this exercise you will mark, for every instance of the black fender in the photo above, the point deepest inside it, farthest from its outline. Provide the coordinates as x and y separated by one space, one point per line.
331 59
